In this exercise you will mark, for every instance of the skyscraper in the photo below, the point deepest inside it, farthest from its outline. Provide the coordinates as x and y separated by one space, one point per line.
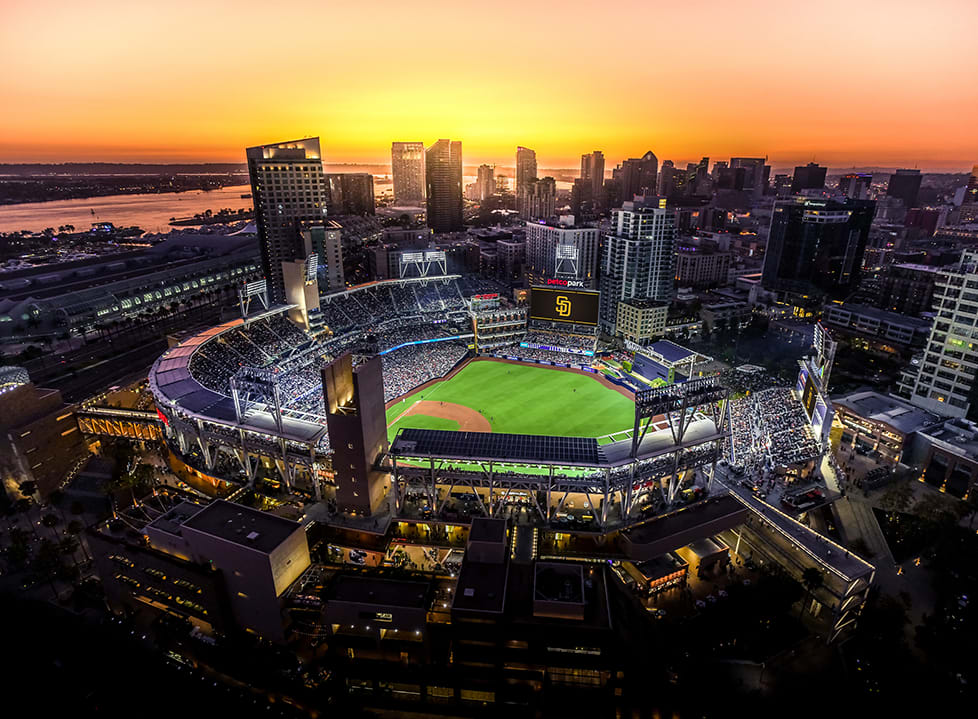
443 175
638 176
407 172
809 177
538 199
969 204
578 257
905 184
672 180
855 185
945 382
815 248
756 173
592 170
485 183
526 167
350 193
290 195
638 259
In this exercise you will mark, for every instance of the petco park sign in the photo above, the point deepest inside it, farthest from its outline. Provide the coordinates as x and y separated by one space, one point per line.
566 283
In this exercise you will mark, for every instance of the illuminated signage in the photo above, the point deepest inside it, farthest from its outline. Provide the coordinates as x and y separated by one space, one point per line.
384 617
566 283
570 350
492 296
564 305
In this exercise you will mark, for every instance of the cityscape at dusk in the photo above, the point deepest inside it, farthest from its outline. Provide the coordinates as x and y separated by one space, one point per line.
883 83
531 359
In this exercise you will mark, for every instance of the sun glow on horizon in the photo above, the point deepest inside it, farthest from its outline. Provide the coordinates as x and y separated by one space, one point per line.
885 83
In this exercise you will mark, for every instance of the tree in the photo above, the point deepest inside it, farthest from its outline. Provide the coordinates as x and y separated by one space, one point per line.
68 546
897 498
811 579
47 561
75 529
50 520
28 488
57 499
24 506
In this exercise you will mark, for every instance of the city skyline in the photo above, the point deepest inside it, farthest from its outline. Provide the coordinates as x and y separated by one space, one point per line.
772 96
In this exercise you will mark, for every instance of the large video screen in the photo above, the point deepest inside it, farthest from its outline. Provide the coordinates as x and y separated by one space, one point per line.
559 305
809 396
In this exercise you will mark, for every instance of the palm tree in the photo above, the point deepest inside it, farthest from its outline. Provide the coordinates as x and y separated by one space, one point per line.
57 499
50 520
68 546
75 529
24 506
812 579
47 561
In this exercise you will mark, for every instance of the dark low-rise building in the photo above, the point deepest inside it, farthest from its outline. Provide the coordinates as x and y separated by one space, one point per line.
225 567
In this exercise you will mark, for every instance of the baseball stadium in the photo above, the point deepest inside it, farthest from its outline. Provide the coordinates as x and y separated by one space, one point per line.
442 399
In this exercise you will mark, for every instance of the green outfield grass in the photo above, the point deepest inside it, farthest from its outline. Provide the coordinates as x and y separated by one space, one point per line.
423 421
527 399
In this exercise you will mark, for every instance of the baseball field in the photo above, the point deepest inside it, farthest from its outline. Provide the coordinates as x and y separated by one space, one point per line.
491 396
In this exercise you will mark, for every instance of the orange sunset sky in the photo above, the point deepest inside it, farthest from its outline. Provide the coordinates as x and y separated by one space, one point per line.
843 82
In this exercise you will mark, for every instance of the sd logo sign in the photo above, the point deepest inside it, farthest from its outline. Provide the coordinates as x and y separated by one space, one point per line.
563 306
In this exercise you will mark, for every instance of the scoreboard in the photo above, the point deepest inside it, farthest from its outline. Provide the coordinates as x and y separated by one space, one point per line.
561 305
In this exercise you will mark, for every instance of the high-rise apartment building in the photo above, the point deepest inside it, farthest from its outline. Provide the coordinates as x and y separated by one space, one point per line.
815 247
638 259
756 173
638 177
443 174
485 183
592 170
407 172
808 177
563 249
905 184
538 199
350 193
290 194
782 186
969 203
855 185
526 167
945 382
672 180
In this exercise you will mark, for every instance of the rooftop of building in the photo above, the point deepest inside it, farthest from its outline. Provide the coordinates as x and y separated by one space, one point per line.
670 351
481 587
242 525
558 582
644 304
897 413
485 529
958 435
893 318
171 521
379 591
661 566
706 547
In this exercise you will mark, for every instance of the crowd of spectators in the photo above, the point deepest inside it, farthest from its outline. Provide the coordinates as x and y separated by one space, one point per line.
408 367
395 313
769 429
529 353
560 339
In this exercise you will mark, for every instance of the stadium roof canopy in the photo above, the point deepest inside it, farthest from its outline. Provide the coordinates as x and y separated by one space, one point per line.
494 446
670 351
